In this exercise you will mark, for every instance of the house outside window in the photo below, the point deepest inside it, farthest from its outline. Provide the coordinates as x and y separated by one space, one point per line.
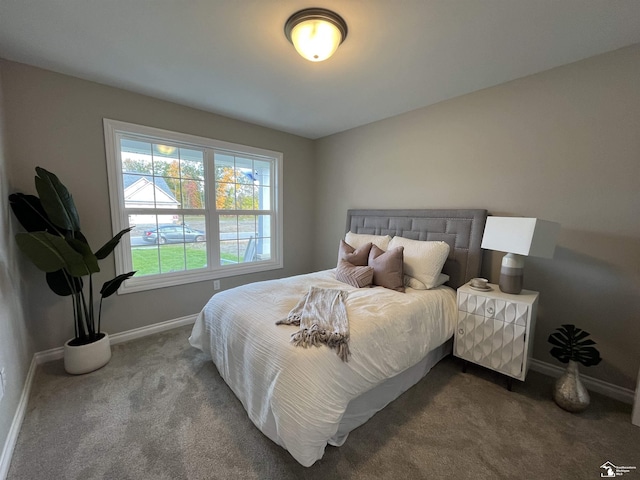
199 208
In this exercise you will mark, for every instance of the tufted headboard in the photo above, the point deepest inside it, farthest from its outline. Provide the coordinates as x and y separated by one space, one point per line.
461 229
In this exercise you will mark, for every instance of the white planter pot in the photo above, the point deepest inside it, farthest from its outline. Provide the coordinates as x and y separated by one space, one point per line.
87 358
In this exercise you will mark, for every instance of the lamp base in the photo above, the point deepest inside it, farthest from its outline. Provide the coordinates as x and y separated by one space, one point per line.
512 273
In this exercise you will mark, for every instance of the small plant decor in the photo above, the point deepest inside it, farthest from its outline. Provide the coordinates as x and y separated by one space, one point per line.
571 343
54 243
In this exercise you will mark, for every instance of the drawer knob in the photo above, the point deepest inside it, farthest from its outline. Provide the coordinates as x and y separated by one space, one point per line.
490 310
461 331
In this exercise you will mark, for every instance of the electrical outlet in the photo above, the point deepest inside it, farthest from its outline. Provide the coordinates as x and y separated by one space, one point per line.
216 284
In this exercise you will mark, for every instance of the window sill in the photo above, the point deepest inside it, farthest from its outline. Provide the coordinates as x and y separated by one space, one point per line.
152 282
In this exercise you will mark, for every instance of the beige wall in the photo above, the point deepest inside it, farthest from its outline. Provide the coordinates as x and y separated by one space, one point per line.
16 349
563 145
55 121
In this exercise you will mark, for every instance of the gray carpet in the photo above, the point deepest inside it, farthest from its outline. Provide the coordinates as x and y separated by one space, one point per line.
159 410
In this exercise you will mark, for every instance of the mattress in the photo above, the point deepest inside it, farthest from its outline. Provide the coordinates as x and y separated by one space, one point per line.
298 396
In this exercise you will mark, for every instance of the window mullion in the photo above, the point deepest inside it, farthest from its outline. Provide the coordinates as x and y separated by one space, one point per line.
213 224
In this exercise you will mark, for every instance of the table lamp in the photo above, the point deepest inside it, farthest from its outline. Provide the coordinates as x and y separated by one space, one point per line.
519 237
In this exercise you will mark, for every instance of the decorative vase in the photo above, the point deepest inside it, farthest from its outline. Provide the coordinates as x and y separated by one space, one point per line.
569 392
87 358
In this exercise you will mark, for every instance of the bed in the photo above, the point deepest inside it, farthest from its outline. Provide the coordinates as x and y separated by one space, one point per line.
306 398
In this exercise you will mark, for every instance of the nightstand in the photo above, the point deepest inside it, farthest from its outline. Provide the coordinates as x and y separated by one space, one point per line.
495 329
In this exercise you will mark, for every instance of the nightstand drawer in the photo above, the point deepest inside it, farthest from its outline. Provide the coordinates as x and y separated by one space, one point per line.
503 310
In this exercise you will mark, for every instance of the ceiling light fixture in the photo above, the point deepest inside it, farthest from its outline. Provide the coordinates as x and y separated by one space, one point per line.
316 33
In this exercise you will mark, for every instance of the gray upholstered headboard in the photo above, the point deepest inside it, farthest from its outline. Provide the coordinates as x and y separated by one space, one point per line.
461 229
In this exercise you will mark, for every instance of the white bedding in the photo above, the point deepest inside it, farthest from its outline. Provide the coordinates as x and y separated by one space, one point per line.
297 396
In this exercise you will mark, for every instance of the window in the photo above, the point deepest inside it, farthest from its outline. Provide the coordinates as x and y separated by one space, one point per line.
199 208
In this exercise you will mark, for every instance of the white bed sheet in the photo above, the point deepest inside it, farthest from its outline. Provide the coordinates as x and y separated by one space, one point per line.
297 396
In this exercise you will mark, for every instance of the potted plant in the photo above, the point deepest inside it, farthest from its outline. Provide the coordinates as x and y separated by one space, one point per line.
54 243
572 346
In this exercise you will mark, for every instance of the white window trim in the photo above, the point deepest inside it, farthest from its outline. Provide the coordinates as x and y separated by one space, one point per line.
119 220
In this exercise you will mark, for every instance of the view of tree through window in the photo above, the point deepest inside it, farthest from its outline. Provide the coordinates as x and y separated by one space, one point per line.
176 227
243 188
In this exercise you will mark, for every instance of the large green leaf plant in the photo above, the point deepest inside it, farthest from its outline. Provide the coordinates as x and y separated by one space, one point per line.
54 243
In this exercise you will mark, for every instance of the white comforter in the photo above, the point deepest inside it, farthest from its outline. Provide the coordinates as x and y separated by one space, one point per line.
297 396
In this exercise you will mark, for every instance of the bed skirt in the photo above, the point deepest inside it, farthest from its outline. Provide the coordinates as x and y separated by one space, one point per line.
362 408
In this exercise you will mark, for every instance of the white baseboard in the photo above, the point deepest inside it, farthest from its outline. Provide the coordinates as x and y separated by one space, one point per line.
57 353
605 388
14 430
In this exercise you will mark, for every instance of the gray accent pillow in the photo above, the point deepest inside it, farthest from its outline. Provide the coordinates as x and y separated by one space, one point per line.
387 266
358 257
355 275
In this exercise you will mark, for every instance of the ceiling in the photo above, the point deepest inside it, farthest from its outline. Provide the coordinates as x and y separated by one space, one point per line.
231 57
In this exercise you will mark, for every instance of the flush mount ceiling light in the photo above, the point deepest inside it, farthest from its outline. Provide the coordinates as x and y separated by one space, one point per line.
316 33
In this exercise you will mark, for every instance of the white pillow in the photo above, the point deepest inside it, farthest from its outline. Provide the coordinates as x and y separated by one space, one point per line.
422 260
357 240
418 285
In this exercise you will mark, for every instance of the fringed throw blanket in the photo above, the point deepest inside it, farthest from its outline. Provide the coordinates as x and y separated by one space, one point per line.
322 317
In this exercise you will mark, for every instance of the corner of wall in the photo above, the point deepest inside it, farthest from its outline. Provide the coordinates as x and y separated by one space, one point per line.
16 349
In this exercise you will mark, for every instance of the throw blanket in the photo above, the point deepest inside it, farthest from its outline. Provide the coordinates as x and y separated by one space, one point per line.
322 317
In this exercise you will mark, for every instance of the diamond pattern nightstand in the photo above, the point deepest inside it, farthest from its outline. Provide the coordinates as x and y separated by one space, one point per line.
495 329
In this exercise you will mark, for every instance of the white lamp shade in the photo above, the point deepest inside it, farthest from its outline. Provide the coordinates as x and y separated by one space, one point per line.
523 236
316 39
